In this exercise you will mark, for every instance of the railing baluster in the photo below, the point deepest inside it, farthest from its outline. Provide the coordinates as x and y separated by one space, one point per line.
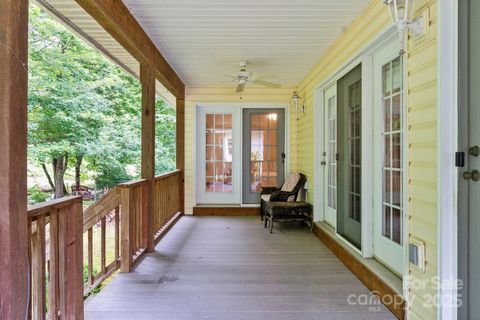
38 268
90 256
53 284
117 235
103 227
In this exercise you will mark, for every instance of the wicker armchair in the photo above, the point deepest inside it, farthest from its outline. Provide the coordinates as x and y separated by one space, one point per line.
288 192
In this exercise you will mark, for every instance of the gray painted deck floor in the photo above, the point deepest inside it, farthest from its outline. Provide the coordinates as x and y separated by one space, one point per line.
232 268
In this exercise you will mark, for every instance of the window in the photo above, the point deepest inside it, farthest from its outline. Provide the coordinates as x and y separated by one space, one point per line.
219 152
332 152
355 149
392 134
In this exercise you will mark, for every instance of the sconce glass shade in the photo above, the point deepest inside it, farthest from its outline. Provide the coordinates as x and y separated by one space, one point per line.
401 10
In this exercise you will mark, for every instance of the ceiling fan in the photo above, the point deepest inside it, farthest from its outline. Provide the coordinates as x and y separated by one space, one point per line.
244 77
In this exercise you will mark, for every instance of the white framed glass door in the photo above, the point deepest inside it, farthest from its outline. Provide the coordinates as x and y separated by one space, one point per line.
330 155
389 157
218 155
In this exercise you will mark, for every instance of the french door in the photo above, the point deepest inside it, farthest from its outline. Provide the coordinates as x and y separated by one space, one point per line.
223 175
389 157
330 155
218 155
263 151
349 149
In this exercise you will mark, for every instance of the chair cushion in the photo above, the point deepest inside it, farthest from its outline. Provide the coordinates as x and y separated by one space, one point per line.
266 197
291 182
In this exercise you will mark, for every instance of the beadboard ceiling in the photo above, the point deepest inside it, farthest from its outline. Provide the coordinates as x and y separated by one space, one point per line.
203 39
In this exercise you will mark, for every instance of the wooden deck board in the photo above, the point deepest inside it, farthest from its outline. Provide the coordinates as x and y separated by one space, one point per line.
233 268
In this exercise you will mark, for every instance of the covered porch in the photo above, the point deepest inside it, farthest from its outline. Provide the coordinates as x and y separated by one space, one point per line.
178 254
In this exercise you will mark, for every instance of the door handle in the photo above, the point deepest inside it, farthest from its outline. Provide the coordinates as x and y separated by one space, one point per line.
283 157
474 175
323 163
474 151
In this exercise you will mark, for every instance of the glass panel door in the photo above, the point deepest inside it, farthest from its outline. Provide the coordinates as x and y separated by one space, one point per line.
330 155
218 155
349 165
263 151
389 157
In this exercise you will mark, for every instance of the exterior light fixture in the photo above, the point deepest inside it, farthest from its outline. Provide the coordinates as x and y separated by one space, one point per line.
402 11
297 103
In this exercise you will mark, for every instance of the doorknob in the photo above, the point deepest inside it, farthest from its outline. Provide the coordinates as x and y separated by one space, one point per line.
474 175
474 151
323 163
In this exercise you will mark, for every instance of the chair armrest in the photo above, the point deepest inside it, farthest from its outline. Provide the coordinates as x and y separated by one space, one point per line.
268 190
280 196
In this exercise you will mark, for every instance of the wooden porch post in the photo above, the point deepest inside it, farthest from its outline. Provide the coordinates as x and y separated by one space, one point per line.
180 140
147 77
13 159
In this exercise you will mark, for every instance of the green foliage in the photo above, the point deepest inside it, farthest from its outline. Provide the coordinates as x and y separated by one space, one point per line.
82 104
85 278
36 195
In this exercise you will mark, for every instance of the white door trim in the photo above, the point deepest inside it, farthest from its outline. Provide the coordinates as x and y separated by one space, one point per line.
447 135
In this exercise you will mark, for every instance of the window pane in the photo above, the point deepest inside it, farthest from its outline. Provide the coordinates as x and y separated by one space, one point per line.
273 121
387 163
210 153
209 137
396 113
397 188
219 121
386 221
396 150
209 121
387 84
396 75
397 226
387 186
227 121
272 137
387 123
263 121
210 169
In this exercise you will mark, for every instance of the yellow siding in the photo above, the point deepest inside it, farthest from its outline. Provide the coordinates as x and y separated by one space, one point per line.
252 95
422 129
422 124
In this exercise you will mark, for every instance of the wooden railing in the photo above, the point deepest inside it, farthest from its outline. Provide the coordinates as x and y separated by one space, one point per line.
167 204
55 241
57 230
107 209
133 222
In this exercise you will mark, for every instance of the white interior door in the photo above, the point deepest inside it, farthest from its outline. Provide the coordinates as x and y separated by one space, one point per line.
330 156
218 155
389 157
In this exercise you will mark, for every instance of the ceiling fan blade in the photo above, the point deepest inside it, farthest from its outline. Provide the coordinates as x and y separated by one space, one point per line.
267 84
230 76
240 87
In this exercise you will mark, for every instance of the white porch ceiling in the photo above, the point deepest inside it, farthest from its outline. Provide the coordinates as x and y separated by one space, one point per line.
203 39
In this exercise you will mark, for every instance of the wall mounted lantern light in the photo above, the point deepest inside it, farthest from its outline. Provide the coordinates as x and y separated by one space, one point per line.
297 103
402 11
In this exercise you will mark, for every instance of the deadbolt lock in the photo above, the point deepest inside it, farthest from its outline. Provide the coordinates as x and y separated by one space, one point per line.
474 175
474 151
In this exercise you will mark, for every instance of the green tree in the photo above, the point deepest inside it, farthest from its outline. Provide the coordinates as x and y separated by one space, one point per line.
85 111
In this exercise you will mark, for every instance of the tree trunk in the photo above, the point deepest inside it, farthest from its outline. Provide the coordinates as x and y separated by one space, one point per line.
78 164
59 167
49 178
